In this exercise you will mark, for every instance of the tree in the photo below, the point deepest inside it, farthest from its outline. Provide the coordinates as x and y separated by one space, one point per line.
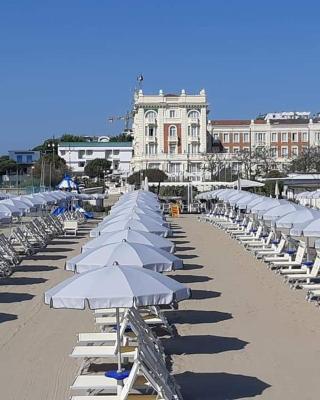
123 137
263 160
212 164
7 165
153 175
52 168
245 160
308 161
72 138
97 168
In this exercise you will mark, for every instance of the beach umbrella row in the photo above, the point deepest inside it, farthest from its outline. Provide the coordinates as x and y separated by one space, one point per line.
118 267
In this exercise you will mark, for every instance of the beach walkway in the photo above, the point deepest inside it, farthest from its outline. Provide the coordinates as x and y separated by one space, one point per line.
244 334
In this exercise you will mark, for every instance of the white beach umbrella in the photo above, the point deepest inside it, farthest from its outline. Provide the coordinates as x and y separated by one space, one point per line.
125 253
8 208
137 210
34 200
264 205
296 218
241 198
134 224
145 218
116 286
130 236
279 211
251 199
18 203
5 214
226 193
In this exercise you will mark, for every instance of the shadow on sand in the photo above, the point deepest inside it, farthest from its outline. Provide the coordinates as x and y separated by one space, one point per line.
196 316
21 281
179 241
219 386
184 248
187 256
51 249
199 294
202 344
191 278
7 297
189 267
46 257
35 268
4 317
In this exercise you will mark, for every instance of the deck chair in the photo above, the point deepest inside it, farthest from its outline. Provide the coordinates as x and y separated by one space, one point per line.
276 250
253 235
287 267
295 280
263 243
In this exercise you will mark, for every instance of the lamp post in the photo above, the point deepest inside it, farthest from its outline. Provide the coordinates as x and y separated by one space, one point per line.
52 146
32 168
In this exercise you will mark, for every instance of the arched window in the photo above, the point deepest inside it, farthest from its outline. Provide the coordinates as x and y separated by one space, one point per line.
151 116
193 114
173 131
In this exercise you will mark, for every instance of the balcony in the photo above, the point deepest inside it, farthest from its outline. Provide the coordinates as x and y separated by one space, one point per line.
194 138
193 121
151 139
173 139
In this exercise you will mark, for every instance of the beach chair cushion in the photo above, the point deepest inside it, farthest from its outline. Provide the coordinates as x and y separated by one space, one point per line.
119 376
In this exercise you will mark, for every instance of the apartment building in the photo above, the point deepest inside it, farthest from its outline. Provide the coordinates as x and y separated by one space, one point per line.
170 133
286 138
77 154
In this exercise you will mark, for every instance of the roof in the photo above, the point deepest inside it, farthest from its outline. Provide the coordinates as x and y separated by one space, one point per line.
230 121
95 144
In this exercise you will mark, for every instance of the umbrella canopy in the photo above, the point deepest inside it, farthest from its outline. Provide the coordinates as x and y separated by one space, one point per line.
19 204
34 200
6 209
136 254
130 236
116 286
67 183
226 193
5 213
140 217
250 199
296 218
307 229
279 211
134 224
243 197
137 210
264 205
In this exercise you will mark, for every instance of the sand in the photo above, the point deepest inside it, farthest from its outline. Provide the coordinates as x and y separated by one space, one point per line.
243 335
35 341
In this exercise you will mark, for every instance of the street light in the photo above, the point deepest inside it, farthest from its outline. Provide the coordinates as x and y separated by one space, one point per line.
32 169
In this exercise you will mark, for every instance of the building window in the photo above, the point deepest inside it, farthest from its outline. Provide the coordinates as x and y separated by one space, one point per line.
29 159
151 131
116 152
294 151
284 151
274 137
236 149
81 164
294 136
273 152
173 131
193 130
260 137
152 148
174 168
172 113
317 137
89 152
81 153
246 137
62 152
193 148
304 136
246 149
107 154
284 137
172 149
226 137
150 117
193 114
236 138
226 149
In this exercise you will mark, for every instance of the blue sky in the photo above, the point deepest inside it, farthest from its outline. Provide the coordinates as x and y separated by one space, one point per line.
65 66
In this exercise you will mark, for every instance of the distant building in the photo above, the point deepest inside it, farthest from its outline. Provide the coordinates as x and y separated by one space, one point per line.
25 157
170 133
77 154
286 115
286 138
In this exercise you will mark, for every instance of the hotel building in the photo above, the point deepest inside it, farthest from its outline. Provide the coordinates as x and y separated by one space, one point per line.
170 133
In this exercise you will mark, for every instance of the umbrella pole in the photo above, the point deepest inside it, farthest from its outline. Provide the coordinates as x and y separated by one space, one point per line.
118 339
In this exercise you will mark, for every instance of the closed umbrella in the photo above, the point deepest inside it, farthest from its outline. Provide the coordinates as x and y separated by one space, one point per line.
116 286
130 236
125 253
